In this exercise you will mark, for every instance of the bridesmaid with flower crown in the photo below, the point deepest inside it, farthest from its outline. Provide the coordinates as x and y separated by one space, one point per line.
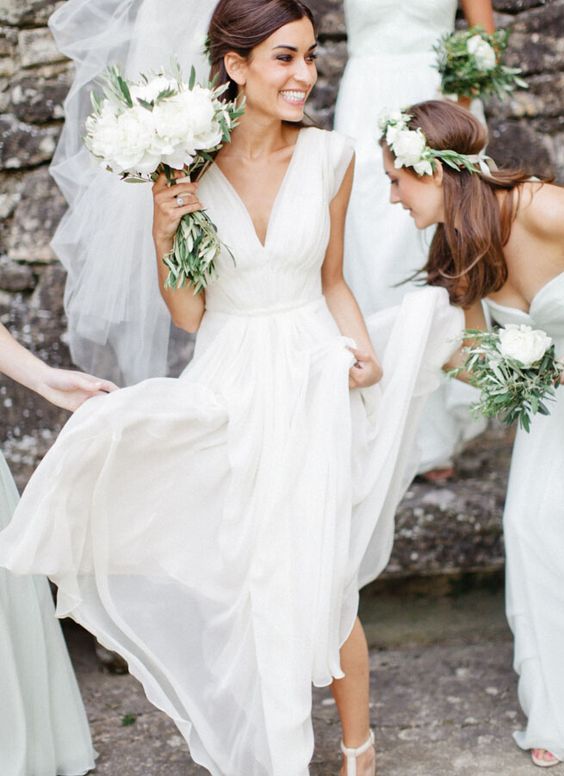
391 65
491 224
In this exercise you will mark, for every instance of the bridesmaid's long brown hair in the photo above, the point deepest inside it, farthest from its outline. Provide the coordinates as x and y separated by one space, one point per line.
466 253
241 25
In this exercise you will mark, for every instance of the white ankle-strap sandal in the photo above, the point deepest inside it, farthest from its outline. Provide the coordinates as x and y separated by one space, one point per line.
353 754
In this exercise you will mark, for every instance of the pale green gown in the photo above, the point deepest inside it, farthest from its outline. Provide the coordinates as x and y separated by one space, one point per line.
43 725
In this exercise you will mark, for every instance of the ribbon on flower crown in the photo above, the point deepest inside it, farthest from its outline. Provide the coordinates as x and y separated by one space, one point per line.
486 164
411 149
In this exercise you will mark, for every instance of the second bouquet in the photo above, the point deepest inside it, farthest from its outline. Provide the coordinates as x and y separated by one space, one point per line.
160 124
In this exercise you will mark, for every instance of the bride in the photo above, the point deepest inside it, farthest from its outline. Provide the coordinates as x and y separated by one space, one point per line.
215 529
500 239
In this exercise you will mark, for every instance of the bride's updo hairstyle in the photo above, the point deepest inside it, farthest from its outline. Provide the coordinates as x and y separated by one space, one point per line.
466 253
241 25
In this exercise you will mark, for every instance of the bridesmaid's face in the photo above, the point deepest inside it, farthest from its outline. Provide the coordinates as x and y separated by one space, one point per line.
422 196
278 77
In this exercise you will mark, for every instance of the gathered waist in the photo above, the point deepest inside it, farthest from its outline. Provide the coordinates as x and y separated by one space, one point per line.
310 305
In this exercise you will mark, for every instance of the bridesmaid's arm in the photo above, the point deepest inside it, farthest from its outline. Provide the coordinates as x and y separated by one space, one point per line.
479 13
65 388
474 318
185 307
339 297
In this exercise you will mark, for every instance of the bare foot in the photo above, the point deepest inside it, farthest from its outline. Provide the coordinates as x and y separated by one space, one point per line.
543 758
438 475
365 764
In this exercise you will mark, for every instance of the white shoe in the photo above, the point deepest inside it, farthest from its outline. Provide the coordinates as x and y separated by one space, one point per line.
353 754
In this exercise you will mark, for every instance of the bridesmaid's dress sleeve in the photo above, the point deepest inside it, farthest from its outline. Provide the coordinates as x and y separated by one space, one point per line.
340 154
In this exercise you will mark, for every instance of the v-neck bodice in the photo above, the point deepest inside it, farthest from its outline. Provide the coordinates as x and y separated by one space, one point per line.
546 311
285 271
236 196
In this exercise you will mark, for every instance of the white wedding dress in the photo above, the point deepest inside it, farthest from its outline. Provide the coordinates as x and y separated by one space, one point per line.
215 529
390 67
534 540
43 725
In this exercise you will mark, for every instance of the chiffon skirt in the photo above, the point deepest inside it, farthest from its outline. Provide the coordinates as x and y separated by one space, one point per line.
215 529
534 538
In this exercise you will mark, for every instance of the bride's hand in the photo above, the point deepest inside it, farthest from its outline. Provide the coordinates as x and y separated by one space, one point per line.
170 204
366 371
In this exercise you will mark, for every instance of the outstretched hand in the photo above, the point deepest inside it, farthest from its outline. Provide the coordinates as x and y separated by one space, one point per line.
365 371
69 390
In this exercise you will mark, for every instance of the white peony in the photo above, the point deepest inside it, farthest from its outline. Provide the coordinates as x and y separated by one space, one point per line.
102 132
523 343
482 52
151 90
408 148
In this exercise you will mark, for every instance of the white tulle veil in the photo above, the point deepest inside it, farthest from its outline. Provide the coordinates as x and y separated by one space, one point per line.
119 326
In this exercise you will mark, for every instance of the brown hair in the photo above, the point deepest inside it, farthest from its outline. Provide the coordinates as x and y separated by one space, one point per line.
240 25
466 253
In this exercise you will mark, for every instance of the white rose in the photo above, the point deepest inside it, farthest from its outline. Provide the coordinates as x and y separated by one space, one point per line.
482 52
523 343
408 148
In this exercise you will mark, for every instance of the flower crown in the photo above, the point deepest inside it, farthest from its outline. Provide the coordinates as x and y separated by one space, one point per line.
410 149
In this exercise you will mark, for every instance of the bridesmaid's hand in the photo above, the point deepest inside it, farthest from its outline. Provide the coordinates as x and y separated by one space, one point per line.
69 390
366 371
170 204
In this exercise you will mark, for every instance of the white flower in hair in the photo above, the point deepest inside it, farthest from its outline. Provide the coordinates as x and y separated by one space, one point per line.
408 146
423 168
411 149
482 52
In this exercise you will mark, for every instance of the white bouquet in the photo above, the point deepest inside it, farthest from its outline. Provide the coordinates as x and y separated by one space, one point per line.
157 125
470 63
515 369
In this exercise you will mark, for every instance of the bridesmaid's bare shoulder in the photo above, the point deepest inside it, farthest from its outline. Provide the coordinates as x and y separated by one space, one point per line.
541 210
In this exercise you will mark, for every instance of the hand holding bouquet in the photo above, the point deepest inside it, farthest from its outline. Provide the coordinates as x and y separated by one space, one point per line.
470 63
157 125
516 371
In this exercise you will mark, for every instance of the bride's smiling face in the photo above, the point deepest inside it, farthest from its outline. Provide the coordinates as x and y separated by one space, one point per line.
278 77
422 196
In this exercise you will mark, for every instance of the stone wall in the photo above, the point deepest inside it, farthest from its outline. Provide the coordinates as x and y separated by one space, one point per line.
34 79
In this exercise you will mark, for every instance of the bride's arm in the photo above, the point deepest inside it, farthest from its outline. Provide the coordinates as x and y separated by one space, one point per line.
63 387
340 300
185 307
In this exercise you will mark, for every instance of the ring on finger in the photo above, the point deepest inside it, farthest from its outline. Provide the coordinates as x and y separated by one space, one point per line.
180 201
